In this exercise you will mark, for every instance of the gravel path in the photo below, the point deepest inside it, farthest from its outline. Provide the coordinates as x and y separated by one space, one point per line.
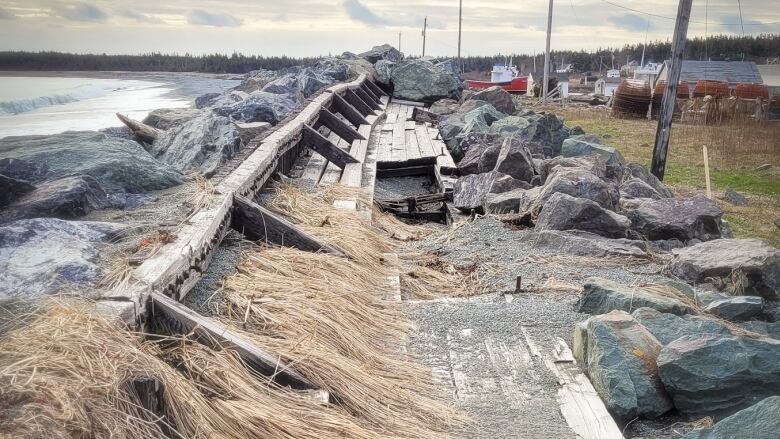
488 352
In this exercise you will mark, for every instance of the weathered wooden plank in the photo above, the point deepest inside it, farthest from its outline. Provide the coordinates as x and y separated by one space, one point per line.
409 171
398 148
314 168
260 224
392 288
353 172
217 335
358 103
425 116
348 111
365 97
371 94
412 147
422 161
375 88
424 141
405 103
316 141
332 172
338 126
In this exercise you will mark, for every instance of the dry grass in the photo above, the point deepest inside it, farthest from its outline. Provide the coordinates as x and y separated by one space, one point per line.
323 315
736 150
426 276
68 373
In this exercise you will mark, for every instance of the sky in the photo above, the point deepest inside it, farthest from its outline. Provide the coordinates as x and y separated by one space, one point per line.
321 27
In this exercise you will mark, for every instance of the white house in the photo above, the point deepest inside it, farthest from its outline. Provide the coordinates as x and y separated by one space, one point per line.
607 86
649 72
613 73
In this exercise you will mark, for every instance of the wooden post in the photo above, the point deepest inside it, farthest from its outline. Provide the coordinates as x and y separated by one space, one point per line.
666 111
547 55
460 31
707 171
424 33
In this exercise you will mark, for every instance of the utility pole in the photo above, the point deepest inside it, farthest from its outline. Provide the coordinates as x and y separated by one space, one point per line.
460 31
664 130
425 31
547 55
399 41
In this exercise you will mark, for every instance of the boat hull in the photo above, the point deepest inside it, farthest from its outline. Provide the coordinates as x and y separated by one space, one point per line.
516 85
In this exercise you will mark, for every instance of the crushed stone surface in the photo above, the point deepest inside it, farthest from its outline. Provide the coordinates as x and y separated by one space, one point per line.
488 352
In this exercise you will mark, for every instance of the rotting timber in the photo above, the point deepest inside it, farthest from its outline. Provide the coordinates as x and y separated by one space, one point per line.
353 145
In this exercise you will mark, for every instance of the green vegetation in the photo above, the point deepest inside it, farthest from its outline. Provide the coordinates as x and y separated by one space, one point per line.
737 153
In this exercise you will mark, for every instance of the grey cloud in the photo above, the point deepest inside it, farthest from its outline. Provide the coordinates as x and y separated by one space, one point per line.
732 24
362 14
81 12
6 15
359 12
199 17
632 22
139 17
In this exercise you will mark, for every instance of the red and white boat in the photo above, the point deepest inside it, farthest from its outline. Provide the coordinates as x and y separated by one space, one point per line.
506 77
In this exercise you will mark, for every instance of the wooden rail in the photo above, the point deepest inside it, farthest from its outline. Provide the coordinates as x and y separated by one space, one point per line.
177 267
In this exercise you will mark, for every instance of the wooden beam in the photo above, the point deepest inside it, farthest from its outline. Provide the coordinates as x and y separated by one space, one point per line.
419 161
216 335
339 127
377 91
316 141
664 130
260 224
358 103
367 99
422 115
371 94
348 111
408 171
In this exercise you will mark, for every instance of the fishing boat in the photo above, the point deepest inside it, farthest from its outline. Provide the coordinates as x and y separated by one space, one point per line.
505 76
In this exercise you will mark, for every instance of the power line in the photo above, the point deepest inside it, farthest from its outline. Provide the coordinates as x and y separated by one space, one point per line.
666 17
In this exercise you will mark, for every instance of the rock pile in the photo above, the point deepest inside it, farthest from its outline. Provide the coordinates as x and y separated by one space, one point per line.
648 348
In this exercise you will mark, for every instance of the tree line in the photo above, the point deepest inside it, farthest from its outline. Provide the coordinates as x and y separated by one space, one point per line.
716 47
754 48
214 63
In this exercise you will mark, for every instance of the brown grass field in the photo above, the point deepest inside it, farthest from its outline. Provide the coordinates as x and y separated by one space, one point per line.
737 155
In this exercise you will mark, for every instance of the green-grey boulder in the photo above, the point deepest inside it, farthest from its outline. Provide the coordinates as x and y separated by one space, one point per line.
600 296
759 421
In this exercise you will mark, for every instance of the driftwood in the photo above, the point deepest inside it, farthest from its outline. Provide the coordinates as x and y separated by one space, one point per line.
217 336
259 224
141 130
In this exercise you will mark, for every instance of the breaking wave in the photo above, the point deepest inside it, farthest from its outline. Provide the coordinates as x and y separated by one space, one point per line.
10 108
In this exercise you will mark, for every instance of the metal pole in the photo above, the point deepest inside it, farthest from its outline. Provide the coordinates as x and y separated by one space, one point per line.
666 112
399 41
547 55
425 28
460 30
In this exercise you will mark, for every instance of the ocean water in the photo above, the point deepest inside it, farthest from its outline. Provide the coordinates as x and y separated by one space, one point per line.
51 104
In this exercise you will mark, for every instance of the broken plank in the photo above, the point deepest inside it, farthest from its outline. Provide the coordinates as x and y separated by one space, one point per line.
348 111
260 224
338 126
216 335
412 147
421 115
316 141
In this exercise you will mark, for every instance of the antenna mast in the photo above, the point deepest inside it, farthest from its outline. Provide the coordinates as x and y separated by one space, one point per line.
425 31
